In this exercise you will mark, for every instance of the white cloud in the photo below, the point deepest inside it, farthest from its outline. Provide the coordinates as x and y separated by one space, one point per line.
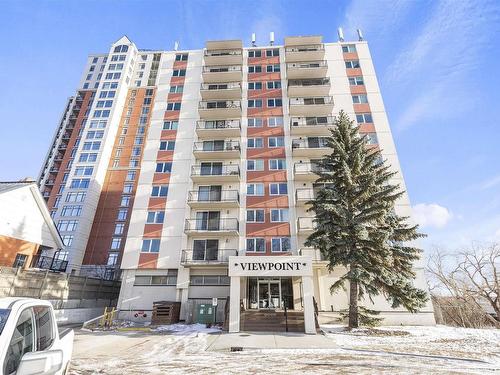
431 215
492 182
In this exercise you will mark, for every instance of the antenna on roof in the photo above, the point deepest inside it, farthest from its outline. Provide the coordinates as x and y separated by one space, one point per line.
341 34
176 46
253 40
271 38
360 35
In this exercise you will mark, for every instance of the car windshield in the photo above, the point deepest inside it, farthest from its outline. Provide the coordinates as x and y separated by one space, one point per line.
4 314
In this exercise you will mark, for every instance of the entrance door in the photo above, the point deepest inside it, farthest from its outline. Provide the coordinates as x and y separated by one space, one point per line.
269 292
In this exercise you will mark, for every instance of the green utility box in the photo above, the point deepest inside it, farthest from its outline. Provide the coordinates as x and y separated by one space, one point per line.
206 314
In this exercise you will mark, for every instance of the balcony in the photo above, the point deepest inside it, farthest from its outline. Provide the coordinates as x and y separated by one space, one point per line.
308 52
311 106
308 87
312 125
307 40
222 73
228 90
210 150
218 128
223 57
306 171
54 170
313 147
213 199
215 173
303 195
211 227
213 45
62 146
305 225
306 70
50 182
223 109
216 257
315 254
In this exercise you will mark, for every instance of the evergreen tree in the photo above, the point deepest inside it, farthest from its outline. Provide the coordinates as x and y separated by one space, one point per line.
357 227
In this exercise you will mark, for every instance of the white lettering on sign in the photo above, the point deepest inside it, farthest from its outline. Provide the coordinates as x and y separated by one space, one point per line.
270 266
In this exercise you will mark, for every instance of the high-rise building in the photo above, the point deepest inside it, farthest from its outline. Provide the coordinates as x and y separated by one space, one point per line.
190 170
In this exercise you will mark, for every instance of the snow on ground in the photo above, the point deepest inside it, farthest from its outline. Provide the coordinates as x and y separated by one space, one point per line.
181 349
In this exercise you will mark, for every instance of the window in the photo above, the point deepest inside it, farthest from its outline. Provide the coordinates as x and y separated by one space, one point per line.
122 214
273 85
371 138
164 167
280 244
255 69
101 124
67 240
125 201
21 342
356 81
94 60
179 72
115 243
173 106
170 125
348 48
279 215
128 188
80 183
155 217
201 280
112 259
277 164
71 211
278 189
169 279
255 216
273 68
272 52
176 89
167 145
89 77
255 165
159 191
85 85
255 189
20 261
255 143
87 158
364 117
84 171
255 123
352 64
255 53
150 246
87 146
276 141
181 57
255 85
67 225
75 197
274 102
254 103
274 122
359 99
130 176
119 228
256 245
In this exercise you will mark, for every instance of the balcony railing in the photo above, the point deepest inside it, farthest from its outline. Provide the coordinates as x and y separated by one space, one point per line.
307 65
309 82
304 194
218 124
223 52
307 168
306 48
312 121
317 142
221 86
306 224
221 69
214 196
207 257
315 254
235 104
211 225
50 182
216 146
49 263
319 100
218 170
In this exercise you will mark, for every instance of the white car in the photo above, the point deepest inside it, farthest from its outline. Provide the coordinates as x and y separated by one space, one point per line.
30 342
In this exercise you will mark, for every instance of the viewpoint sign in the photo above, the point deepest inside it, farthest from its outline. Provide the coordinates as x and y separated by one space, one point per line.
270 266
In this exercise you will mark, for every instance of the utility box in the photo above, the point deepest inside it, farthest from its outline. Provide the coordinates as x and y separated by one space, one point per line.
205 313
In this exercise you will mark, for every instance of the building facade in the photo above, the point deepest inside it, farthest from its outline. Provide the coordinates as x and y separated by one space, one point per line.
190 172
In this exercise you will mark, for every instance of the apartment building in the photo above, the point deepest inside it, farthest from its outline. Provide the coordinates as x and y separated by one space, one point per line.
189 171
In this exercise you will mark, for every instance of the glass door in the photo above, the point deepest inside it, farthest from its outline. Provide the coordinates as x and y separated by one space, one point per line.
269 292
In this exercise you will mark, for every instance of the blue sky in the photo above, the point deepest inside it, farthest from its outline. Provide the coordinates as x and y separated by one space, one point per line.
437 63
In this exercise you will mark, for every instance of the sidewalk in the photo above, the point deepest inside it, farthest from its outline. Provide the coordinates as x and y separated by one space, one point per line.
268 340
